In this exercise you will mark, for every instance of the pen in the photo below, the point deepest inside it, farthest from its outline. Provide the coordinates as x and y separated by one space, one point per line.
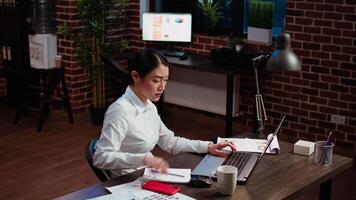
328 140
173 174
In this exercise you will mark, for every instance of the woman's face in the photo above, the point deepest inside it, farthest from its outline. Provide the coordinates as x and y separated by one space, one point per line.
152 86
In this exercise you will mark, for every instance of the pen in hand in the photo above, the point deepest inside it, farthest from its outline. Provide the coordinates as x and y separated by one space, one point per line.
173 174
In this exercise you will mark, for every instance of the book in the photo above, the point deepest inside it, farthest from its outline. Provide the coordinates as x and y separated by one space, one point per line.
173 175
253 145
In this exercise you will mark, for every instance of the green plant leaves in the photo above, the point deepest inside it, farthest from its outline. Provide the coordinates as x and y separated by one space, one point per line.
261 14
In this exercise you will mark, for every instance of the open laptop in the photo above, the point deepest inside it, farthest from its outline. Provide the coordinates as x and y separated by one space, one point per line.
245 162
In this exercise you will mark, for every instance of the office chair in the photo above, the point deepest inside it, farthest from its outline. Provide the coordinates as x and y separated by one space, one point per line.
103 175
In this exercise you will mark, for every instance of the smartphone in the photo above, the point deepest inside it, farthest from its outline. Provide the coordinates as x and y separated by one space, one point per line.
159 187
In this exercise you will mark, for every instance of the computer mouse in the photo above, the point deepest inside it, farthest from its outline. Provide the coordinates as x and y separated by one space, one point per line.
199 182
185 57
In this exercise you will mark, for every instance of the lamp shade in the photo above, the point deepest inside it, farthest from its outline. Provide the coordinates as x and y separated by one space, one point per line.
283 58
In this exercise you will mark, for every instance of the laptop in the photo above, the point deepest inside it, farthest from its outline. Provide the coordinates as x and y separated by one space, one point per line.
244 161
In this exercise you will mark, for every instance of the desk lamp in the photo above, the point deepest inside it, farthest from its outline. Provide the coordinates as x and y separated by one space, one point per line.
282 58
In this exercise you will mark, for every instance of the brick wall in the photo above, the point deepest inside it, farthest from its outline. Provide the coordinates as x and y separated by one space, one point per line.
324 37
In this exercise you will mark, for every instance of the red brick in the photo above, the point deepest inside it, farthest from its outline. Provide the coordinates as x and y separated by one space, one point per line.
290 132
344 128
295 13
309 107
298 126
332 32
331 95
339 88
302 36
342 41
308 121
345 144
350 50
332 16
294 28
330 63
338 72
348 97
315 115
311 46
316 130
327 125
310 76
343 25
349 66
350 82
338 104
299 112
205 40
321 39
331 48
300 97
319 85
292 88
322 23
317 100
325 7
350 17
303 21
351 136
348 33
340 57
305 6
313 14
327 109
345 9
300 52
318 54
303 82
313 30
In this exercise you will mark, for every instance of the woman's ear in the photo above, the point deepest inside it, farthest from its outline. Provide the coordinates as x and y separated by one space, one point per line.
135 76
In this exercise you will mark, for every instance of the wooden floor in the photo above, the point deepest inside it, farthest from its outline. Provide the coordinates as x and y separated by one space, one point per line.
51 163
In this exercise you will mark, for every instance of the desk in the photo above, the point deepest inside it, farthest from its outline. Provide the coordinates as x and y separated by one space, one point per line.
285 176
201 63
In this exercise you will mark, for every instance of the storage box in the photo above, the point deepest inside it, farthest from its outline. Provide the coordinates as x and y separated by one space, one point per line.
43 50
303 147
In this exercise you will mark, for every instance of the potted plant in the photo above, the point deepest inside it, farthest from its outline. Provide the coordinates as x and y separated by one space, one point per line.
98 17
210 14
260 21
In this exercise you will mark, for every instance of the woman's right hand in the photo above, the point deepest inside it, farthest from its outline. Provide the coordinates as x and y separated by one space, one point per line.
156 163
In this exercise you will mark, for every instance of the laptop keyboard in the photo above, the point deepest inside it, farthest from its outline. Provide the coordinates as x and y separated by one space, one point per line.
237 159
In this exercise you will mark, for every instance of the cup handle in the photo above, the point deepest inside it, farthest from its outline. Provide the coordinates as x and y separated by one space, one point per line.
211 181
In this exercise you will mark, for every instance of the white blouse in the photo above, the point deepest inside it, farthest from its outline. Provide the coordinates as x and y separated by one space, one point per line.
131 130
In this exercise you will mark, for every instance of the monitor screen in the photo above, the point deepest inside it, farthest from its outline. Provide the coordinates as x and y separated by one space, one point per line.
167 27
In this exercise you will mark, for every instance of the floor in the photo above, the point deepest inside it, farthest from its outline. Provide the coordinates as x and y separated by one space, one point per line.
51 163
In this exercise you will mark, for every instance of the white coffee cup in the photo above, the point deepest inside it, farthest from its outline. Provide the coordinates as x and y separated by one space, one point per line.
227 177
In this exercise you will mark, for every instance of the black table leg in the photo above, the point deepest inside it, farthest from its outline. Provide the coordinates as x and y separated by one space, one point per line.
325 190
229 99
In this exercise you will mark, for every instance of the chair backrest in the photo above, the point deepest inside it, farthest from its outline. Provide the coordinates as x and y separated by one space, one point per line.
103 175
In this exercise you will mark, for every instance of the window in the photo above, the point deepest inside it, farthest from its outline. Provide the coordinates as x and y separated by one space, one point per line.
279 16
234 13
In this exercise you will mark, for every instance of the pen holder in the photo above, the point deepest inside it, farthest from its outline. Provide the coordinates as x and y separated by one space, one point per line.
323 153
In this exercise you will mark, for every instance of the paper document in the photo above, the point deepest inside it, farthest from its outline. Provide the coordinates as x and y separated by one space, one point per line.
253 145
133 191
173 175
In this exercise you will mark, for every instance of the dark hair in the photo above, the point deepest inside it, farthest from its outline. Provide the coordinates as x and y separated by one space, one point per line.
144 62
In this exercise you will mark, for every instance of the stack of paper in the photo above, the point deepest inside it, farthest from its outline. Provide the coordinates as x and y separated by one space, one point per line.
173 175
253 145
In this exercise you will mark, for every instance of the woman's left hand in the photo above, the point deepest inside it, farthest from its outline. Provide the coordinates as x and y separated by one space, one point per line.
216 149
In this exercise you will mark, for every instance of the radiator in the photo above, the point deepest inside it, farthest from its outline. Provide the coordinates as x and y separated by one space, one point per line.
200 90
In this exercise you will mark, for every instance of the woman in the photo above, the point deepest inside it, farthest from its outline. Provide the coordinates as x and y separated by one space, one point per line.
132 126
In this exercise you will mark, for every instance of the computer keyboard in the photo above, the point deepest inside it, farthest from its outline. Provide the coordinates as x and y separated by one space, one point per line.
237 159
172 53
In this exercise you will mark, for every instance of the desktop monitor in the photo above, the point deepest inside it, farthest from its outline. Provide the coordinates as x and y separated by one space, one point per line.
167 27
